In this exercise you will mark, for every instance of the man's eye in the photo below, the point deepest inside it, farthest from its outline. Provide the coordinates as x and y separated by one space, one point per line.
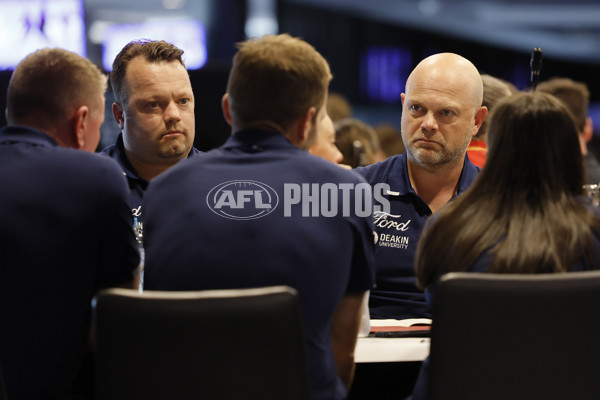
415 107
447 113
184 101
153 104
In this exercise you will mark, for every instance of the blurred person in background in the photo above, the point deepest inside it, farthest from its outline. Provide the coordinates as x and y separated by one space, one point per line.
390 139
576 95
322 141
357 142
493 90
338 107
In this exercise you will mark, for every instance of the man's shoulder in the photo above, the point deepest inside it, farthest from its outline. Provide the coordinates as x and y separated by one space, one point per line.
109 150
90 172
84 160
82 166
194 151
102 170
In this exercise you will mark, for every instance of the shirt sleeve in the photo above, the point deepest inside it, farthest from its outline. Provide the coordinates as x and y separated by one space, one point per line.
119 253
362 274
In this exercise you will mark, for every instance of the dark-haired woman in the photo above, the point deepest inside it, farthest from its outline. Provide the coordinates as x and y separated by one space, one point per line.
525 213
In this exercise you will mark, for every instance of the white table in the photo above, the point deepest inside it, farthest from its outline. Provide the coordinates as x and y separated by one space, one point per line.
377 350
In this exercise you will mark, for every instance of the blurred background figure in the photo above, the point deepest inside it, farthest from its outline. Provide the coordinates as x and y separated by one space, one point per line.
357 142
390 139
338 107
321 141
493 90
576 95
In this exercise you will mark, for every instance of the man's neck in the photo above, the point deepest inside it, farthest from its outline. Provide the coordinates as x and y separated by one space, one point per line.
436 186
148 171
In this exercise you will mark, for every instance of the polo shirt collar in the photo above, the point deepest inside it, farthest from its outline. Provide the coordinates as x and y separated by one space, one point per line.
254 140
400 182
468 175
25 134
128 169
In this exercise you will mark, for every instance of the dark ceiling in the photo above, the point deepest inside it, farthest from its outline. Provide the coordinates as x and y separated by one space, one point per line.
566 29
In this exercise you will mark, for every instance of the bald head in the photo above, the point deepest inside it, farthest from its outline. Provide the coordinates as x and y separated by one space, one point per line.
441 111
448 73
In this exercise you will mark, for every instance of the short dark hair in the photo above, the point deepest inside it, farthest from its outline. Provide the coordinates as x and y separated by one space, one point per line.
152 50
575 95
48 84
276 78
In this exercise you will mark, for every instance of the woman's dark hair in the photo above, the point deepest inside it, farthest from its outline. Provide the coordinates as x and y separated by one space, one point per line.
522 207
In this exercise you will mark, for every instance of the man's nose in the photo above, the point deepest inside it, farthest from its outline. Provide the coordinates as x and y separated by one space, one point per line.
429 122
172 112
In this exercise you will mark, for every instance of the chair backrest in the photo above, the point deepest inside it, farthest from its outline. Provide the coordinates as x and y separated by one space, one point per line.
516 337
216 344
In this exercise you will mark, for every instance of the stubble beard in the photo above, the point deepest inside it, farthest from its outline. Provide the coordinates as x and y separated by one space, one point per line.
434 160
176 150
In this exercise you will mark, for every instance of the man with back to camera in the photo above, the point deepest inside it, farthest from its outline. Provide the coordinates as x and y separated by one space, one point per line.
65 229
261 241
441 112
154 107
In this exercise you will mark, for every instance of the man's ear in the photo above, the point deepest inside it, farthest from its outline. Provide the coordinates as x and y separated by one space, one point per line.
225 108
480 115
117 111
81 118
302 127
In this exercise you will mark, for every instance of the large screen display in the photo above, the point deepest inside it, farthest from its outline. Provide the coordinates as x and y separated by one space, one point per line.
188 35
29 25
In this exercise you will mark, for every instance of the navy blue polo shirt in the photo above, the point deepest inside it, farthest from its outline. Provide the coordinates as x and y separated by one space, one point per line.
233 218
395 294
65 232
137 185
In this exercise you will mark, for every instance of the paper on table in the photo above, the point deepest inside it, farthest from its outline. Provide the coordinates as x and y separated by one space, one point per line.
400 322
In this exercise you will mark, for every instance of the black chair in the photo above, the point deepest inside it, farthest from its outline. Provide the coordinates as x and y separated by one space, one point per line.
516 337
218 344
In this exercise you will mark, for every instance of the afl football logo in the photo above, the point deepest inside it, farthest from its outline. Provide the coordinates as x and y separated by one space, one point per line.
242 199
